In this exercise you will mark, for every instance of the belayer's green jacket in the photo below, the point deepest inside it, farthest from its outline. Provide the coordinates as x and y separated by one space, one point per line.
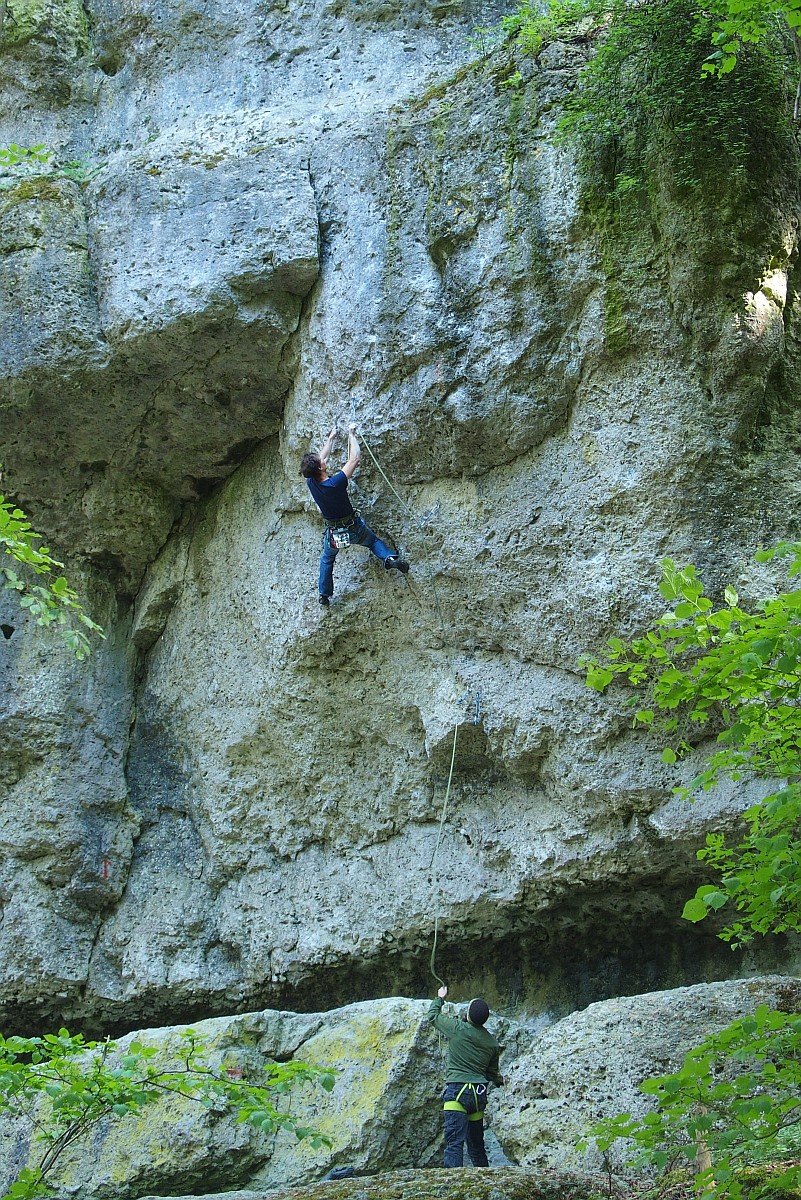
472 1052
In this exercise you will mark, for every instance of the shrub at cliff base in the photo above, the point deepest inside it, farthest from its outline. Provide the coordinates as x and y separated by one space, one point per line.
61 1087
734 671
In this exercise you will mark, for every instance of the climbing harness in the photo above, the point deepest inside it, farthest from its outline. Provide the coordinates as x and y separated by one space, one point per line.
338 533
479 1092
339 537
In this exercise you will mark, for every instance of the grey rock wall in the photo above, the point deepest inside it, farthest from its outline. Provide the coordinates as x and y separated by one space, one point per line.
309 212
384 1113
590 1065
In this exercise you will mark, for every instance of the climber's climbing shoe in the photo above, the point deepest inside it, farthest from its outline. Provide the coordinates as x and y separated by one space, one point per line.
396 563
324 601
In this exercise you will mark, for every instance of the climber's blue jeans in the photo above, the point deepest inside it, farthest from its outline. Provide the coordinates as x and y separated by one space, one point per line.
465 1126
360 535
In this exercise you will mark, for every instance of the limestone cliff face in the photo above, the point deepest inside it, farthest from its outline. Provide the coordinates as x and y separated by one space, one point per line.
308 212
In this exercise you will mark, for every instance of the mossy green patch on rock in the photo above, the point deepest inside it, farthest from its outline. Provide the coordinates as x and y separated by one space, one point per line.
197 159
43 188
373 1117
441 87
61 24
371 1047
43 212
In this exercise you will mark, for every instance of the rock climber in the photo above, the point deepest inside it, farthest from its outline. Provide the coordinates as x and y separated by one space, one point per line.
343 526
472 1064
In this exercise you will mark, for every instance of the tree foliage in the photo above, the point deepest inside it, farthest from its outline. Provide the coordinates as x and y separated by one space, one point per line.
732 673
14 155
737 23
63 1086
702 669
738 1095
721 27
645 104
47 597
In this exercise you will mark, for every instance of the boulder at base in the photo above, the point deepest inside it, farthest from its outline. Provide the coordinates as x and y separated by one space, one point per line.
383 1112
590 1065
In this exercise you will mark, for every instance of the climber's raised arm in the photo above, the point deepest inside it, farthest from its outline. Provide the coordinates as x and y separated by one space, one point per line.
328 445
344 526
354 453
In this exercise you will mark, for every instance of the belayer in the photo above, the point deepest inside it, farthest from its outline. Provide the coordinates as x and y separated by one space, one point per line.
343 526
472 1065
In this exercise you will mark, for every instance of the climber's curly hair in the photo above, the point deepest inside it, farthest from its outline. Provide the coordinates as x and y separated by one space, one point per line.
310 465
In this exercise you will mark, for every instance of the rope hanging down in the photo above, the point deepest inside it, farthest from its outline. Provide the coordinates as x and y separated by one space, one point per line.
444 813
433 963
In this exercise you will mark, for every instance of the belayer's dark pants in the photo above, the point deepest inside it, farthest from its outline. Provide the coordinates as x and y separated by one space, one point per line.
464 1122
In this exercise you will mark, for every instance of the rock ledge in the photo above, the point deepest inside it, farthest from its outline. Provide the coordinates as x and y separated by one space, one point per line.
493 1183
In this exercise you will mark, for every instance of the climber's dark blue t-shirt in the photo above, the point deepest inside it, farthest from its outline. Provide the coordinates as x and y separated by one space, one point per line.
331 497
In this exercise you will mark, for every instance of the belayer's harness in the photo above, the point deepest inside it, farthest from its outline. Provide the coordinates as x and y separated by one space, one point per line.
479 1091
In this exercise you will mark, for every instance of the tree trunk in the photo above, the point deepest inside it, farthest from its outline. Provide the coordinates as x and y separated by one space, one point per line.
797 48
703 1157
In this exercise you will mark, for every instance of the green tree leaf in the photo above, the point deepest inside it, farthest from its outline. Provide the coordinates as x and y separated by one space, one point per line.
50 598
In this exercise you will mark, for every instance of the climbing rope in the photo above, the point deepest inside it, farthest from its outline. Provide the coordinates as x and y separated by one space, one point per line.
385 477
440 615
433 963
411 512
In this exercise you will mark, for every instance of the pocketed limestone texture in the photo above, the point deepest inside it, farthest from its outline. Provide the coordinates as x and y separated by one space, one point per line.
258 220
382 1112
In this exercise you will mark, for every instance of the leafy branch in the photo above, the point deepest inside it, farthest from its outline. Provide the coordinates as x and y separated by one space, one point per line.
64 1086
742 668
79 170
737 671
657 94
13 155
734 671
727 25
49 600
738 1093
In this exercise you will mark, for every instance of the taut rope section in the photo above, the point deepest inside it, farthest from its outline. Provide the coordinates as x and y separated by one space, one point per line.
433 963
411 512
443 815
380 470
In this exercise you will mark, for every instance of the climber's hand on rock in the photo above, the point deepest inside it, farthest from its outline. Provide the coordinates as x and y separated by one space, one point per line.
442 993
352 427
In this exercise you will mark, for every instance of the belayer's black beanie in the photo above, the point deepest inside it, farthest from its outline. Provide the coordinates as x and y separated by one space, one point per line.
477 1012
